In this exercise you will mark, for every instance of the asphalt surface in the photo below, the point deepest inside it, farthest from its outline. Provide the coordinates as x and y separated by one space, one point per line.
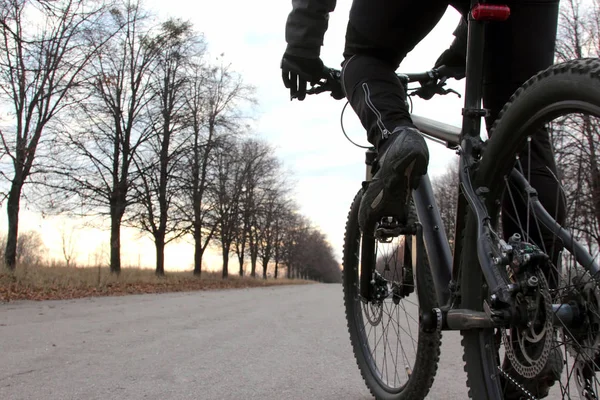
265 343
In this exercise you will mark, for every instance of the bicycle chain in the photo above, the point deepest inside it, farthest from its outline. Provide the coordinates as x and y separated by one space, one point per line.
530 371
527 393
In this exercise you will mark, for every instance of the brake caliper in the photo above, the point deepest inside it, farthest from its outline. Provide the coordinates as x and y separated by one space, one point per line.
524 255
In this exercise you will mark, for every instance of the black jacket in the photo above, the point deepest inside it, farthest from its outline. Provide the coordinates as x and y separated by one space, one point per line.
308 20
306 26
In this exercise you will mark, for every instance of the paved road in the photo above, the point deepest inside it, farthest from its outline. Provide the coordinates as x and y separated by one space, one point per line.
267 343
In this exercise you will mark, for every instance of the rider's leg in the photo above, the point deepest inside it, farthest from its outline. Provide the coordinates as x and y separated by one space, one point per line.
516 50
380 34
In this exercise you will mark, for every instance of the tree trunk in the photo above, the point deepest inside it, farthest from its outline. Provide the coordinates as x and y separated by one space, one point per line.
265 265
276 268
115 242
225 262
253 257
241 260
12 210
160 255
197 252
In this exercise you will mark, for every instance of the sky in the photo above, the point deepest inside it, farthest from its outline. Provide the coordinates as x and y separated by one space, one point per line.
328 170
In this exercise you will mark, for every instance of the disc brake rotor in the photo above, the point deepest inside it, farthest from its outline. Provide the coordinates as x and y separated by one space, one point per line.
528 349
373 311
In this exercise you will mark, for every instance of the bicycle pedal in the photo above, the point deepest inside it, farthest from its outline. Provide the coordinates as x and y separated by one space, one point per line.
383 233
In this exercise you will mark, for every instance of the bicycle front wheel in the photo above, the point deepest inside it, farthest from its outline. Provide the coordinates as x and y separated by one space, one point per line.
547 356
396 357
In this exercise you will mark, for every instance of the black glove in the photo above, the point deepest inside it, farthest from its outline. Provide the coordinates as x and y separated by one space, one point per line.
297 71
337 92
455 58
454 61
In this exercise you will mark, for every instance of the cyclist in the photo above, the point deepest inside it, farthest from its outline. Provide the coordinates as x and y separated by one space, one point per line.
380 33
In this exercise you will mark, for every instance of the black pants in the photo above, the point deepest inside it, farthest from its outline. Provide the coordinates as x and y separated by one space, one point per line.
381 33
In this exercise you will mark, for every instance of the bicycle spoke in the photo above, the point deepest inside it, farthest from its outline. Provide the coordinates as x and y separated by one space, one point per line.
566 282
388 324
408 315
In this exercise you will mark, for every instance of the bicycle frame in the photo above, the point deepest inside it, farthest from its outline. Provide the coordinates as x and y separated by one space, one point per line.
432 227
443 267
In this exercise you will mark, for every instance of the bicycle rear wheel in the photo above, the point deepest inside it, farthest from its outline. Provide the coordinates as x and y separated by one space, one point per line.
554 359
396 357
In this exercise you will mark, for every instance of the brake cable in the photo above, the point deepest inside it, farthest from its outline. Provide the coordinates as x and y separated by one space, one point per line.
410 110
344 130
437 89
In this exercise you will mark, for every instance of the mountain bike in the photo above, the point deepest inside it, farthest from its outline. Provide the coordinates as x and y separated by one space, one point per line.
522 300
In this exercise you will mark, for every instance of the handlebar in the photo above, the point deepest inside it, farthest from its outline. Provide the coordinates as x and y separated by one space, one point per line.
431 82
441 73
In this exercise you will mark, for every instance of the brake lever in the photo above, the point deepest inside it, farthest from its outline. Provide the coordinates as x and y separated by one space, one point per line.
428 91
316 89
448 91
331 82
425 92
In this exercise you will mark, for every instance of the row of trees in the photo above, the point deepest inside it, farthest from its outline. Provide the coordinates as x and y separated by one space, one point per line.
117 115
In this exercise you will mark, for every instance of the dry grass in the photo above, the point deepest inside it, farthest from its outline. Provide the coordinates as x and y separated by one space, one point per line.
46 283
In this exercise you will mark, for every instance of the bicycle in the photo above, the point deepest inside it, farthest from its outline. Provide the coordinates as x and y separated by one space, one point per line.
505 295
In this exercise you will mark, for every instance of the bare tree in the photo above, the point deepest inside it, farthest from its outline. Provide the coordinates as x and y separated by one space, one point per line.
282 221
68 243
576 141
40 70
273 206
577 35
294 227
95 157
214 100
266 220
159 157
445 191
30 248
259 169
228 182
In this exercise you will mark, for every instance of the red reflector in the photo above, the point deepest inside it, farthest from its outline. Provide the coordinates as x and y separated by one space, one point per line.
490 12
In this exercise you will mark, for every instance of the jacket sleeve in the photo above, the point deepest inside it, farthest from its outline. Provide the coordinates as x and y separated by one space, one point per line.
306 26
459 45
